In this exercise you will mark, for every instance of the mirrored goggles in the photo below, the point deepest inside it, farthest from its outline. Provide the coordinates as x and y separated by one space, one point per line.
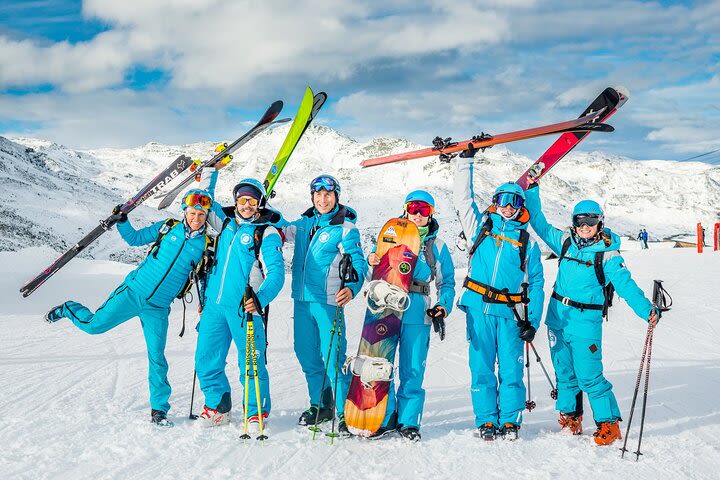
243 200
589 219
323 183
503 199
417 207
198 200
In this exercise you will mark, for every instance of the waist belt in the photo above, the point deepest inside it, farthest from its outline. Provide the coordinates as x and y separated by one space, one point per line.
418 286
572 303
492 295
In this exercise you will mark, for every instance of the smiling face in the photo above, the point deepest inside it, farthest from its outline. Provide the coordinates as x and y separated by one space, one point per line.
418 219
586 231
324 201
245 208
508 211
195 218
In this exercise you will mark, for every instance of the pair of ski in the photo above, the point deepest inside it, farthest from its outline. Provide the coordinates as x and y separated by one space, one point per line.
309 108
398 247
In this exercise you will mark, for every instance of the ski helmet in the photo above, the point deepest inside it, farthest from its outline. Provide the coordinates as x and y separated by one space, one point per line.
197 199
588 212
327 183
249 187
420 196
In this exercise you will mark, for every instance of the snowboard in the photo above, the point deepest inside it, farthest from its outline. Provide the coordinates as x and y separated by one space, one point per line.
398 247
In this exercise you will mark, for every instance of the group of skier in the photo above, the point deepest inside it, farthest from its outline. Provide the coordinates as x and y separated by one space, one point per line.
502 298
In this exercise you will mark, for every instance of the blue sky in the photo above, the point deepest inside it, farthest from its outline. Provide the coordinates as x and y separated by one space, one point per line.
108 73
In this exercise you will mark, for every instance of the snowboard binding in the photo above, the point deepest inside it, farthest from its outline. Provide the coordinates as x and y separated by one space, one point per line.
369 369
382 295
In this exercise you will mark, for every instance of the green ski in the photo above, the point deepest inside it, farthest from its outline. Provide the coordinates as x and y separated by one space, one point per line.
309 108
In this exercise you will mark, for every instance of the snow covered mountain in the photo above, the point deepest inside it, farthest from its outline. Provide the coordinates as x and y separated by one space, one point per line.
52 195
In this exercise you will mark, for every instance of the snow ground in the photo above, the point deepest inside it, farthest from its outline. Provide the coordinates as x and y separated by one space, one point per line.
76 406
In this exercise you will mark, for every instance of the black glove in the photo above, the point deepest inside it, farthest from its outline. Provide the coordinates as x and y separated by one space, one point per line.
119 216
527 331
437 314
469 153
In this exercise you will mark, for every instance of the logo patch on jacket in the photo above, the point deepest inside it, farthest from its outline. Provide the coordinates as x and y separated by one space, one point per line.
173 238
245 239
323 237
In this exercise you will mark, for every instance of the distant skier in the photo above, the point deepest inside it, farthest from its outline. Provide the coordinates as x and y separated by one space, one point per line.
645 238
703 237
404 411
148 291
322 235
588 252
502 259
225 316
640 239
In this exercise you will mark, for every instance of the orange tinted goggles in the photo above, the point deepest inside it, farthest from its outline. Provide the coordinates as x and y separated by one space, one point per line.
243 200
198 200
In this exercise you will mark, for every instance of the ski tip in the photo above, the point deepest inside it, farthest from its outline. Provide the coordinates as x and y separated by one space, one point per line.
623 91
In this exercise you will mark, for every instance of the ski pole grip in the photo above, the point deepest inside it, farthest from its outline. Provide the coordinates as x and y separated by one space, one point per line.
250 294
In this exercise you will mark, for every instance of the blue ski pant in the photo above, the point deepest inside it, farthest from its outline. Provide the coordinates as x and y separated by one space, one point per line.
413 346
122 305
497 400
312 340
578 367
218 327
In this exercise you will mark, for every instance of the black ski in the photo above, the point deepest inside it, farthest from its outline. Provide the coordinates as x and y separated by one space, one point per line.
265 122
178 166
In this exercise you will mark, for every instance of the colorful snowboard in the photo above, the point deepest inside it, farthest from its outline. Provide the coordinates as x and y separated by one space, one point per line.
398 247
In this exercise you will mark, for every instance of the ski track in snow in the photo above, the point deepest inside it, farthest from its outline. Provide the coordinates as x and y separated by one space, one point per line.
76 406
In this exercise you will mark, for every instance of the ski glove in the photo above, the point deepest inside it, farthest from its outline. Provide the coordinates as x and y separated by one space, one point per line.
437 314
120 217
470 153
527 331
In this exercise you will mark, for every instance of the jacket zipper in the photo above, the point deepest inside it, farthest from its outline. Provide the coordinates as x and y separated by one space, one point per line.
227 261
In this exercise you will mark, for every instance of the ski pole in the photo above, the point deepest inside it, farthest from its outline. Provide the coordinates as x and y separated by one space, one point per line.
637 388
251 354
554 391
314 428
196 280
192 416
529 404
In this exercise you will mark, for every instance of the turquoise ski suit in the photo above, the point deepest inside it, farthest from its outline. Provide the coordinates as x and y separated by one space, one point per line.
320 241
492 330
575 336
224 319
147 292
414 341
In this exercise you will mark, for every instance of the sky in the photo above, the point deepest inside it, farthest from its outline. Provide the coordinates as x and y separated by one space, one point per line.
104 73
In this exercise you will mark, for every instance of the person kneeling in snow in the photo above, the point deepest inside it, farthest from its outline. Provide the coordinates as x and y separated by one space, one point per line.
589 262
249 253
148 291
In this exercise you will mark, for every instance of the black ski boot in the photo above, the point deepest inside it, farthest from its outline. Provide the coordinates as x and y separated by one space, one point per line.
55 314
342 427
307 418
159 418
410 433
509 431
487 432
386 430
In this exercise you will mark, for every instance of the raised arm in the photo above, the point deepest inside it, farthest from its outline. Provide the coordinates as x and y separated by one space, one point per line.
551 235
137 238
464 198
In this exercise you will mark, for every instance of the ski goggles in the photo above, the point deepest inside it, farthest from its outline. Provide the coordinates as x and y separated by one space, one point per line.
589 219
417 207
503 199
252 201
198 201
324 183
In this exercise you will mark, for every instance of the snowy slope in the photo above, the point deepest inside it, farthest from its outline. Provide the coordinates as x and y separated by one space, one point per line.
52 195
75 406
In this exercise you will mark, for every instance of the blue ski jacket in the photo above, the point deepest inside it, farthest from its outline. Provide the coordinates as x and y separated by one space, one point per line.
579 282
496 262
320 242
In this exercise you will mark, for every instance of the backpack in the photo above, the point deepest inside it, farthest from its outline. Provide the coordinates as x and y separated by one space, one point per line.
485 232
608 289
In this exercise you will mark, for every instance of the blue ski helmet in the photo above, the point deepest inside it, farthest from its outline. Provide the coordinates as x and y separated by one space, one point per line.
198 199
420 196
249 187
587 206
327 183
509 194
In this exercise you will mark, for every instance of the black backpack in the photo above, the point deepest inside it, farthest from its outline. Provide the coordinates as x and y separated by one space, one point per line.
608 289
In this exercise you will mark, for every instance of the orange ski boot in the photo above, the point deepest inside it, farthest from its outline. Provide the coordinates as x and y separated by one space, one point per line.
607 433
571 423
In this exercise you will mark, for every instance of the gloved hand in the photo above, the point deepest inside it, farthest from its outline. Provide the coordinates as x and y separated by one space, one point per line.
437 314
527 332
120 217
469 153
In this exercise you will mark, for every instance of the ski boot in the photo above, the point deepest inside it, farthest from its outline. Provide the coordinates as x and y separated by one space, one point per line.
386 430
307 418
55 314
254 423
509 431
159 418
213 418
342 427
572 423
487 432
607 433
411 434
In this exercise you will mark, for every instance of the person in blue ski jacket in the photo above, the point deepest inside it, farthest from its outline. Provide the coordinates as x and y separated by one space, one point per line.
239 263
434 264
148 291
322 236
575 312
504 271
